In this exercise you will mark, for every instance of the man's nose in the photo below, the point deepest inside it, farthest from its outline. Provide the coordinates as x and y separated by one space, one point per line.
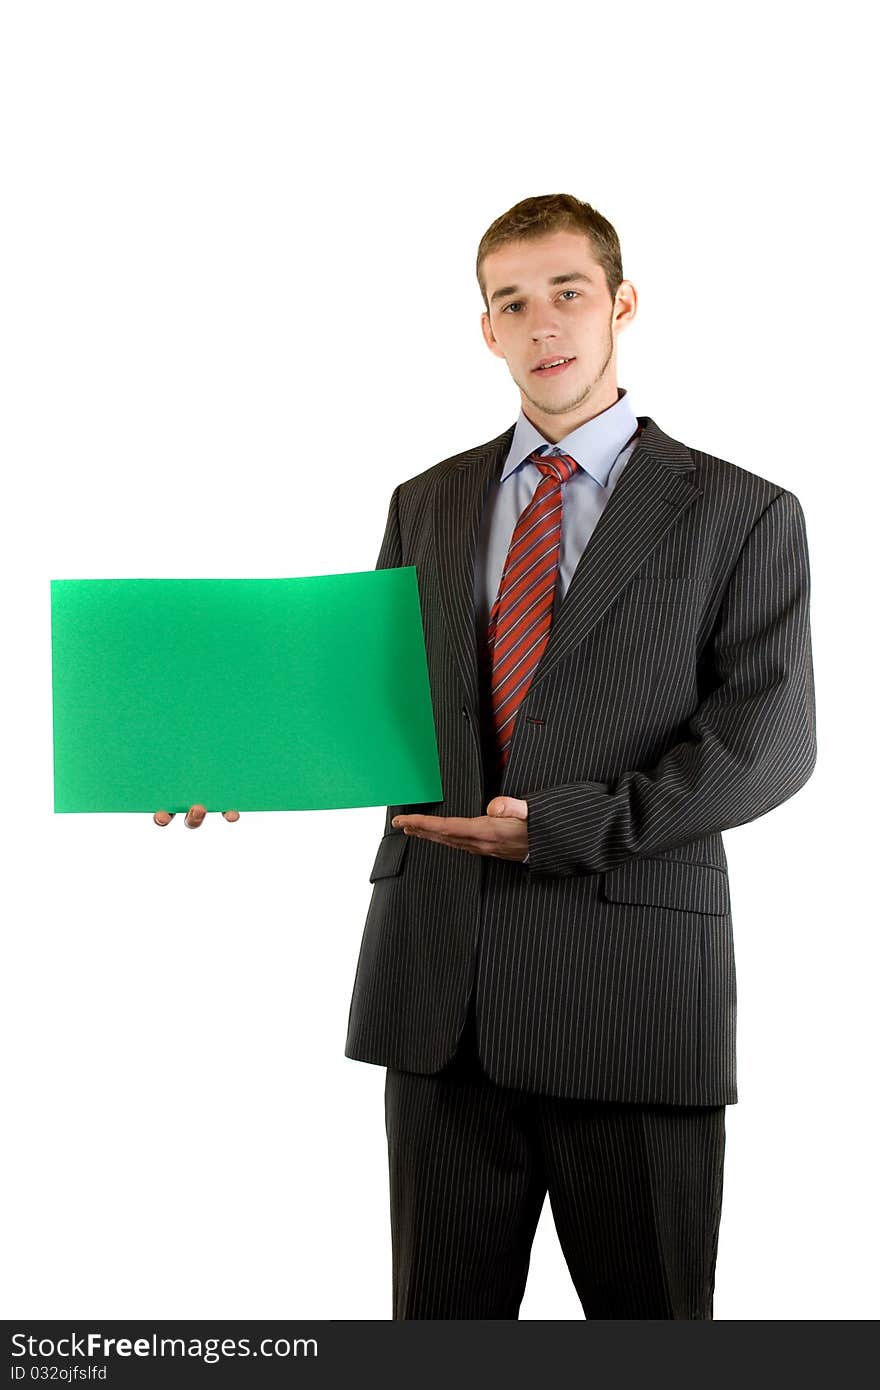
544 324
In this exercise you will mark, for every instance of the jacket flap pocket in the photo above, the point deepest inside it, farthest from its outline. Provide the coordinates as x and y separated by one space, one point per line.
389 859
669 883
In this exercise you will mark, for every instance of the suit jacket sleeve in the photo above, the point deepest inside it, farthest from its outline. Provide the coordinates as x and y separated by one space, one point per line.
391 552
752 739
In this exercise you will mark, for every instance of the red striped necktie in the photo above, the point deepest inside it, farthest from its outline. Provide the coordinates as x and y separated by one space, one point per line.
519 624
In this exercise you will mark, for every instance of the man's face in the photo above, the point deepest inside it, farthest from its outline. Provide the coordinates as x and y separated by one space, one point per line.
549 299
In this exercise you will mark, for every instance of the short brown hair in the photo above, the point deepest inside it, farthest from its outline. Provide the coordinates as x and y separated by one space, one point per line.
554 212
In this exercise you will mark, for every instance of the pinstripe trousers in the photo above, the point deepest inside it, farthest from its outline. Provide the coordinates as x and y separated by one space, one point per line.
635 1191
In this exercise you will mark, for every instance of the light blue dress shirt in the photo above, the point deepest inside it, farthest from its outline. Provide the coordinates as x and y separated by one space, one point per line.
601 448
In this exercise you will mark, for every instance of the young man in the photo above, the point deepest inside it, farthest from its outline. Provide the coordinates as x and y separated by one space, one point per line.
618 642
617 631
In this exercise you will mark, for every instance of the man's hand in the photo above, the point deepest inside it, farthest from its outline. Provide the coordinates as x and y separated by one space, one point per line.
194 817
502 832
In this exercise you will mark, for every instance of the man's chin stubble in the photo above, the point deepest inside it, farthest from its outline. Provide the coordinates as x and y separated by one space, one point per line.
561 407
566 406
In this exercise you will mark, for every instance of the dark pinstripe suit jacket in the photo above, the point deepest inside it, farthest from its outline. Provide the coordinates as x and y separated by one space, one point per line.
674 699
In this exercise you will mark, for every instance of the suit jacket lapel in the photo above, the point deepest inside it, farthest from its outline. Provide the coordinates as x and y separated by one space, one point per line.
458 508
655 488
652 493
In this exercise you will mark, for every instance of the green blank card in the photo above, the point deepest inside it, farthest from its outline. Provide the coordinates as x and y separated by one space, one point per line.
245 694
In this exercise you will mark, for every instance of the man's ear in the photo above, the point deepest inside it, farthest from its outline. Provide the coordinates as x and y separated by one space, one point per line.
488 336
626 303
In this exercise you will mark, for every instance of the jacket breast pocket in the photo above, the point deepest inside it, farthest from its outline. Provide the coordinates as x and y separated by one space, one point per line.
669 883
390 855
679 591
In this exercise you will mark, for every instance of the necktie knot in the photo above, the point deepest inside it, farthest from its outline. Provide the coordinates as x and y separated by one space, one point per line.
558 466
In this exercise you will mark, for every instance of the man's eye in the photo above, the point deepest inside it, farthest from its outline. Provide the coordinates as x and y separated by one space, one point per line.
517 303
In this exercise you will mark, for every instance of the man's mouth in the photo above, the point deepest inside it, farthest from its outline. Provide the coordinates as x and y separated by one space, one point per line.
553 366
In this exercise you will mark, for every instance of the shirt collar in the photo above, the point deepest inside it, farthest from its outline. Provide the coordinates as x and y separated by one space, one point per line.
594 445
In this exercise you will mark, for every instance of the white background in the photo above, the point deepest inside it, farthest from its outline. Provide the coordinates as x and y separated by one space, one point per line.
239 306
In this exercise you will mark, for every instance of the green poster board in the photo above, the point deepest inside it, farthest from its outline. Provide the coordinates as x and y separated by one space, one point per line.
245 694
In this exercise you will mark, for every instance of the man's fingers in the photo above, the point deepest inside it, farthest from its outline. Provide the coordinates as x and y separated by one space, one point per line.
508 806
442 825
194 817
